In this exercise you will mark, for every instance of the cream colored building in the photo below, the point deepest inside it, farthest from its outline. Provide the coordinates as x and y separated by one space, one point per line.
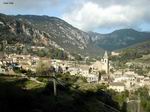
117 86
115 53
102 65
91 78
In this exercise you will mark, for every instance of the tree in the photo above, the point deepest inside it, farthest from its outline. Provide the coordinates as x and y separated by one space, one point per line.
42 67
99 76
90 70
112 70
100 73
60 70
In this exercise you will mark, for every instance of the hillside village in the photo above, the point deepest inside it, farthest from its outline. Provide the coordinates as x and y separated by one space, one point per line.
99 71
74 56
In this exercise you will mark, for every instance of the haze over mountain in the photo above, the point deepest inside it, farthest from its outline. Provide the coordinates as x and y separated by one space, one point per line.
52 31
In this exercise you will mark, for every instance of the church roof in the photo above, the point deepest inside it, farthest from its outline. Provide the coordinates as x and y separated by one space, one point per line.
105 54
98 63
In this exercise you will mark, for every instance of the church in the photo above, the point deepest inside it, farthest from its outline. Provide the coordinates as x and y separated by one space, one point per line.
102 65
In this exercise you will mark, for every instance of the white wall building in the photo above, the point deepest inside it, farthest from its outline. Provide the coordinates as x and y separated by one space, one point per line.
117 86
91 78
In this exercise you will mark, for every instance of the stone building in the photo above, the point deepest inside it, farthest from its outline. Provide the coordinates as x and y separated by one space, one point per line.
102 65
117 86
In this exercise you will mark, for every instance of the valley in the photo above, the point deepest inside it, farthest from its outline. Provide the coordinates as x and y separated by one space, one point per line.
48 65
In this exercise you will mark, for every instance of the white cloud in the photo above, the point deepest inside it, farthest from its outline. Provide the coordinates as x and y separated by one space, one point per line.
94 14
87 14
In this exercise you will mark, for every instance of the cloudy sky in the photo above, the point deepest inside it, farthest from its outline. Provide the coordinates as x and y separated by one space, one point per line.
89 15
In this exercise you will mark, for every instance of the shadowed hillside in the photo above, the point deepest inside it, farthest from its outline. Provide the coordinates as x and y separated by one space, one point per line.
14 97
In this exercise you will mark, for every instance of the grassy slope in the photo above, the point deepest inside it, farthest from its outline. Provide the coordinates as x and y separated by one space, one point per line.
135 52
141 46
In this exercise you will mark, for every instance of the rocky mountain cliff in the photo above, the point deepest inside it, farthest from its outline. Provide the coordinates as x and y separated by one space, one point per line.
36 42
56 33
16 30
64 34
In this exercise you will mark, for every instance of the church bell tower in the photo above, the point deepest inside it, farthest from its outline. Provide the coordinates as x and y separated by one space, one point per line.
106 62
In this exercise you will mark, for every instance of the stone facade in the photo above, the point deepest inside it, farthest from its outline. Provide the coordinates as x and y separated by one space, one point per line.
102 65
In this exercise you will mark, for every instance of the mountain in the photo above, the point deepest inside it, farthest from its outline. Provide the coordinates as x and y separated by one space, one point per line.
54 33
135 51
119 39
64 34
17 31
